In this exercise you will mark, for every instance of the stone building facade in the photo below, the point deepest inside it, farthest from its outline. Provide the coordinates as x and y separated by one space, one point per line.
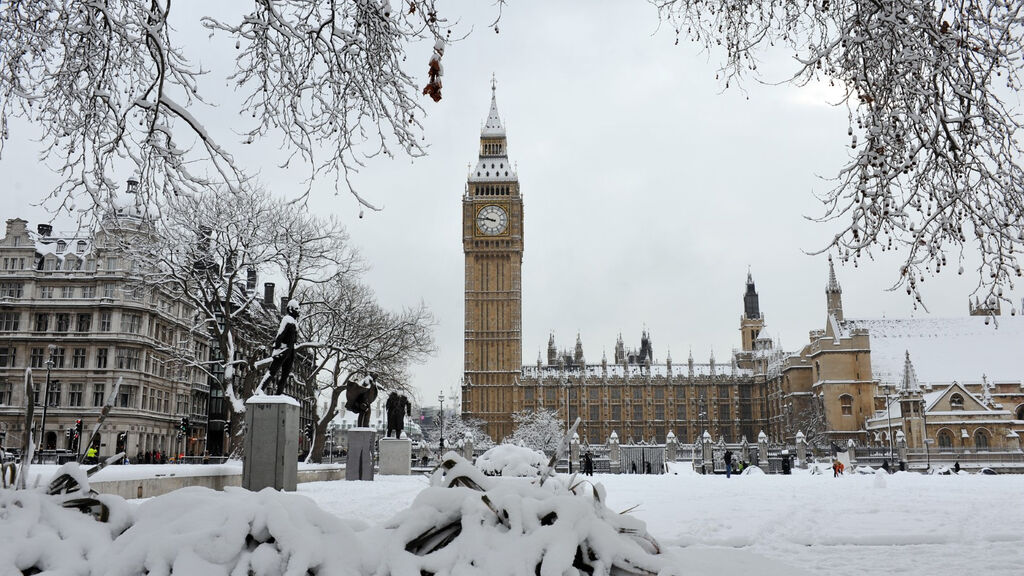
67 303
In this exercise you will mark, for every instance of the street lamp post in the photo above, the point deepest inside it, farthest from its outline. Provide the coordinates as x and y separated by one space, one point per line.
565 386
440 399
888 414
46 402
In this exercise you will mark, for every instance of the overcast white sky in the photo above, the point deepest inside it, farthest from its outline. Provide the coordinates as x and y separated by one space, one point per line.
648 189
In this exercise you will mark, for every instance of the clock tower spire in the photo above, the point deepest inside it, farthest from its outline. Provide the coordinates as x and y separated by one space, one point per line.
492 241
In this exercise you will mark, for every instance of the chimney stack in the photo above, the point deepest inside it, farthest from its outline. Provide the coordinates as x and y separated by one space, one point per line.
250 280
268 294
44 230
133 185
284 304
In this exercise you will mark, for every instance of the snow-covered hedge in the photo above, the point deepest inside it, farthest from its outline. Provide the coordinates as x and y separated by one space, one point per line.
511 460
464 523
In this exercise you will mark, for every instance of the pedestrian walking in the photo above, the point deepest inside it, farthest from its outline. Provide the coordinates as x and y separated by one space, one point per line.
728 463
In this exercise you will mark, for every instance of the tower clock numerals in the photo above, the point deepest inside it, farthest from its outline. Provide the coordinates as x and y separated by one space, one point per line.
491 220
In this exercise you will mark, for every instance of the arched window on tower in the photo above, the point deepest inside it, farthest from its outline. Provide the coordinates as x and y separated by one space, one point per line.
846 403
956 402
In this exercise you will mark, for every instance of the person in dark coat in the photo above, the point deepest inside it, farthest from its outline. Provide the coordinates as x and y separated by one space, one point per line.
588 464
728 463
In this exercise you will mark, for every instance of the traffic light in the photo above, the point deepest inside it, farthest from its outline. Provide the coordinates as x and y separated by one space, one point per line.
78 428
309 431
183 426
122 441
67 433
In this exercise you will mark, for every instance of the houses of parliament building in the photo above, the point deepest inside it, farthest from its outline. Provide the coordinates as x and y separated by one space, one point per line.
830 382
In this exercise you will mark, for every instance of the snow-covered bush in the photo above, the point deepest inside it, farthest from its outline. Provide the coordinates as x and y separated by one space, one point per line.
538 429
469 523
464 523
511 460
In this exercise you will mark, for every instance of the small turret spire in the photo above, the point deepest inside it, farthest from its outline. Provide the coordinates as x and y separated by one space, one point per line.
834 293
833 284
909 383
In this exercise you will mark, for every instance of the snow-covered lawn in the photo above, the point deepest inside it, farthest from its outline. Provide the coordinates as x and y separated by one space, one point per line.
905 523
750 524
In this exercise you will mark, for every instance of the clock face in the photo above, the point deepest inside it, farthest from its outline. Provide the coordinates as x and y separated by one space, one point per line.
491 220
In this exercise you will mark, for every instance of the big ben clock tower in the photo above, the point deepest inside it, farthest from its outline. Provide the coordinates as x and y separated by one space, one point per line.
492 240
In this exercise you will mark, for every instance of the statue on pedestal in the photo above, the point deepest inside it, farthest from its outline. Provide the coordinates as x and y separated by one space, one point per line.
360 392
284 347
397 408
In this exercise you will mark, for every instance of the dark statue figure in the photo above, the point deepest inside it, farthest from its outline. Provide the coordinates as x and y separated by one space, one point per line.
284 347
360 392
397 408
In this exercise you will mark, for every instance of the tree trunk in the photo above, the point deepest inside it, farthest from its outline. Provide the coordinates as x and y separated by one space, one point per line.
320 435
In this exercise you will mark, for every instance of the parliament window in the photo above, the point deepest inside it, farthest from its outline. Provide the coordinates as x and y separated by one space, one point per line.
75 394
7 357
97 394
78 359
846 403
9 321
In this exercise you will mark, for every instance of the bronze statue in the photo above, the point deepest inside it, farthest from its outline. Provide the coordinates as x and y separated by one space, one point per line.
360 392
397 408
284 346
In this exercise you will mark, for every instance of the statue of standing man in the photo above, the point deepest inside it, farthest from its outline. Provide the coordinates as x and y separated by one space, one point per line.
284 346
397 408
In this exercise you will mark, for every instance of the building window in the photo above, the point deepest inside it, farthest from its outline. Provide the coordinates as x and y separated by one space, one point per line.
127 359
528 394
63 322
84 323
88 292
126 396
108 290
659 393
549 395
75 394
593 393
46 292
104 321
67 292
616 413
981 441
616 393
637 393
58 357
61 246
659 412
956 402
9 321
78 360
11 289
42 322
5 393
595 413
945 441
48 264
97 394
101 358
638 413
37 357
846 403
111 263
131 323
7 357
53 396
80 247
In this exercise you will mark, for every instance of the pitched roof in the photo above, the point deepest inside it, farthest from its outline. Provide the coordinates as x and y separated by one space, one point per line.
945 349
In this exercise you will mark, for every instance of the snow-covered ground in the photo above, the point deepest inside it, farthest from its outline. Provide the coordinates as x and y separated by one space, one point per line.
905 523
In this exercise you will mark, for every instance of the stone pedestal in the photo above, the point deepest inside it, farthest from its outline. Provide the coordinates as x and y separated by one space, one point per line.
359 465
762 449
271 443
395 456
707 455
801 450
